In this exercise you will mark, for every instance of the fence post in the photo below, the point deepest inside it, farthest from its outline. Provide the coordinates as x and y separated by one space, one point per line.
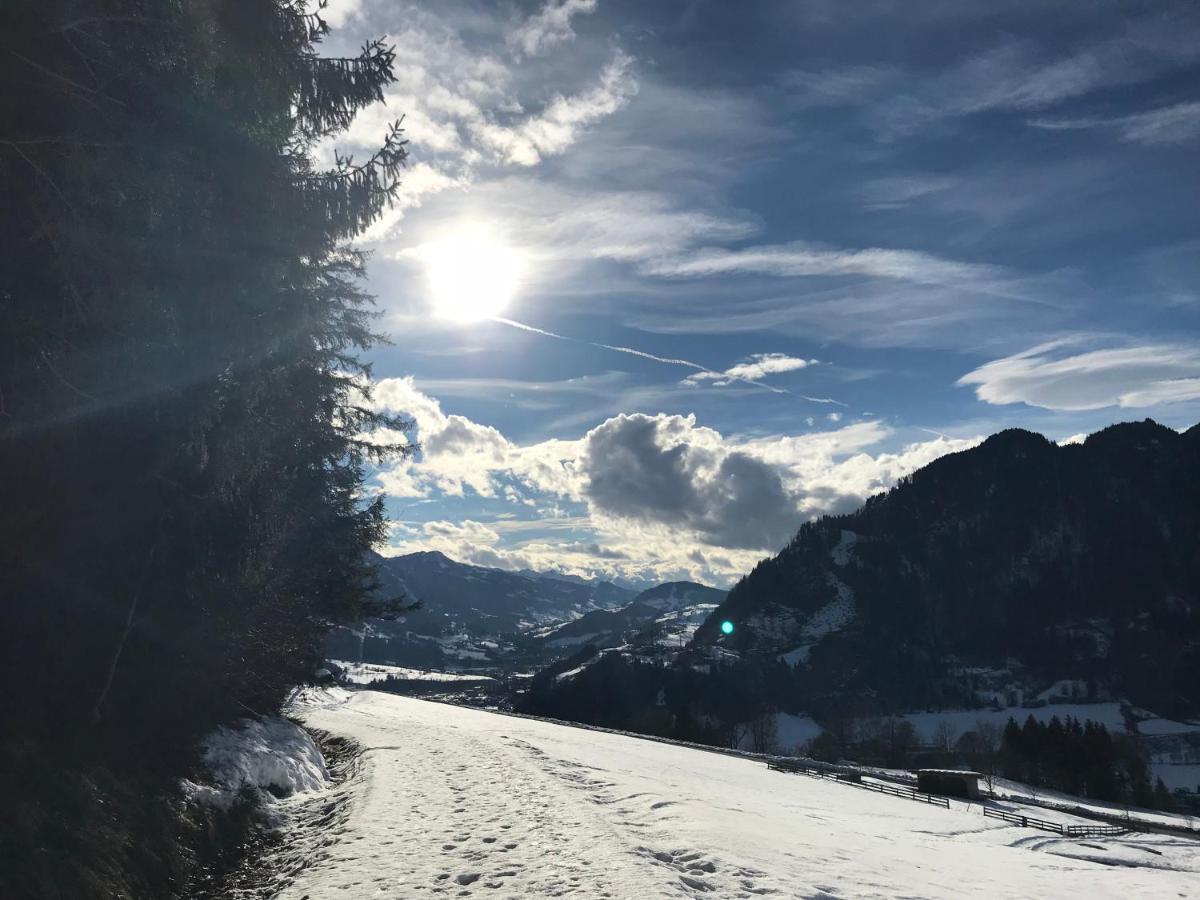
1024 822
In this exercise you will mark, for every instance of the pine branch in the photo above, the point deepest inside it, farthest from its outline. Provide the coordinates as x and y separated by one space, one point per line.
331 90
351 196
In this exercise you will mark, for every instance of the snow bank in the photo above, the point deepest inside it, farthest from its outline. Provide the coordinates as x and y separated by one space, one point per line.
269 754
309 695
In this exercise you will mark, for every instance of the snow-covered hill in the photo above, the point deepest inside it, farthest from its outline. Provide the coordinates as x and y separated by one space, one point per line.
667 614
471 616
457 802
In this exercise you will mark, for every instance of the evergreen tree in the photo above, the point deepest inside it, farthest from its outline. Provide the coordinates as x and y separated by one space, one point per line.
184 423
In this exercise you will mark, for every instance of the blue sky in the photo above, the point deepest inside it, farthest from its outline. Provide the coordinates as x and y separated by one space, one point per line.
770 257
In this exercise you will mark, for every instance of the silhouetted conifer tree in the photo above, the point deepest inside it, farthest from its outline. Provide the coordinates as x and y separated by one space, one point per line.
184 422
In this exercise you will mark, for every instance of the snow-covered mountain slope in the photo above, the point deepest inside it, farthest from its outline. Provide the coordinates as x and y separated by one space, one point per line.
465 610
458 802
669 613
369 673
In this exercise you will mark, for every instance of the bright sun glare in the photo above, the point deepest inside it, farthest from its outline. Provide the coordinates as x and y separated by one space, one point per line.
472 275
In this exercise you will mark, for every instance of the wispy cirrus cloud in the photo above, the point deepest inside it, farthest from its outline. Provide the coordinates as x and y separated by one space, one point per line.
1173 124
1021 76
801 259
471 107
528 141
549 26
1062 375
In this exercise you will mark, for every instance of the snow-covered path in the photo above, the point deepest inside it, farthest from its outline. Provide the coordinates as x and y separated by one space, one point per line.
460 802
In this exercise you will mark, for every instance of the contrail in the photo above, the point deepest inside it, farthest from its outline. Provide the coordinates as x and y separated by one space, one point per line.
650 356
823 400
692 365
524 327
661 359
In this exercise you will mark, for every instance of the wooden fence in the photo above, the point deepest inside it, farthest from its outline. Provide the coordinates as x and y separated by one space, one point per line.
855 779
1055 827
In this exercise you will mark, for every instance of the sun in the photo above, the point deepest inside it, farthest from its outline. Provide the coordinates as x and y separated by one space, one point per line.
472 274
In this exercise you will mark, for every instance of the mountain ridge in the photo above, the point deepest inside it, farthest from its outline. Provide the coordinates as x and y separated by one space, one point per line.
1078 561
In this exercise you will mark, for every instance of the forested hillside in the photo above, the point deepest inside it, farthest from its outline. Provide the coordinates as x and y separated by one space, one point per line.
1024 561
183 420
1001 577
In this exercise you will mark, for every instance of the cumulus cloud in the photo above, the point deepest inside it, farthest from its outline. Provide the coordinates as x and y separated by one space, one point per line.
1052 376
757 367
662 469
653 489
549 26
459 455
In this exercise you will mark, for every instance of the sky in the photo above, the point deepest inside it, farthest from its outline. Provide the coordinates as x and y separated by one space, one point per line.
666 279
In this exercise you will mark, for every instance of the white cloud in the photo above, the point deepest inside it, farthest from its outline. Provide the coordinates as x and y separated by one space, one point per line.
471 107
557 127
1051 376
1166 125
655 487
1014 76
800 259
549 26
557 223
899 191
338 12
760 365
757 367
1022 76
459 455
867 298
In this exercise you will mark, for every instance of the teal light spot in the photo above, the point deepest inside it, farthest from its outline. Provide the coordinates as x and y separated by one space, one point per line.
726 627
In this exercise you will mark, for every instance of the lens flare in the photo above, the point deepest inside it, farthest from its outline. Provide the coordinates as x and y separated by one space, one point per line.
726 627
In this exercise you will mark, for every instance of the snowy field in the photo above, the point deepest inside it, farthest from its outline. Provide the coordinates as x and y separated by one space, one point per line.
453 802
368 673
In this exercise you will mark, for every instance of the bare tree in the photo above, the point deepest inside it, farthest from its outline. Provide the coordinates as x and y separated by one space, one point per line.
902 739
735 733
989 751
764 733
943 737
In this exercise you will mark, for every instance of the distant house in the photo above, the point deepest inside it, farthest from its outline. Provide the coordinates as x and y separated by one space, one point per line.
949 783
